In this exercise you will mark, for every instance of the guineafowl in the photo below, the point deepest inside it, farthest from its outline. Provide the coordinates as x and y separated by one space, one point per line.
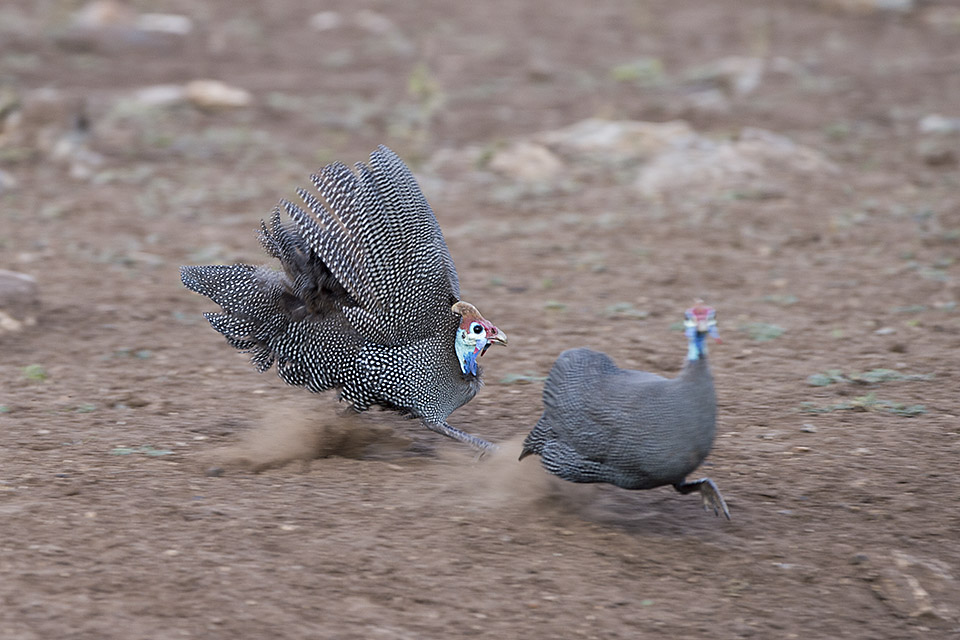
367 301
634 429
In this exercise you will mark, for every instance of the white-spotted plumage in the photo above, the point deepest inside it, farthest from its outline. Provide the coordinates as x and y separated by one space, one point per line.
364 301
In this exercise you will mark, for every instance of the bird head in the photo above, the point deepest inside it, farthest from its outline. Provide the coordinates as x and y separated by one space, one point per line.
474 336
699 321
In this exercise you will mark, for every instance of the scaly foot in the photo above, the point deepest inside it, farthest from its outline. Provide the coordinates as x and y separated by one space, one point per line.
709 494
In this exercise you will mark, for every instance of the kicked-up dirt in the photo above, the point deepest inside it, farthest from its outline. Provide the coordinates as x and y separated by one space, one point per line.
152 485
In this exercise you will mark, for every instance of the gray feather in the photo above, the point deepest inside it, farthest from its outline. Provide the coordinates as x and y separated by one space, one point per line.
634 429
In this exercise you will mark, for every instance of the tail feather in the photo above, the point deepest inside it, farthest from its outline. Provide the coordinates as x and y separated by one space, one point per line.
263 315
538 437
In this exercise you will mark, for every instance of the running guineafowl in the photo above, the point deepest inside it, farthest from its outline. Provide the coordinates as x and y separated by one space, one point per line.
633 429
367 302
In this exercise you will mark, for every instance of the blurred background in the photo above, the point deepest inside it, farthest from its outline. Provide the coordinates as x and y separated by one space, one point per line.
595 168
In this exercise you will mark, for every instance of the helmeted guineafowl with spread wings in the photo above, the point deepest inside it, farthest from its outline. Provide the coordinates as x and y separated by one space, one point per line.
367 302
634 429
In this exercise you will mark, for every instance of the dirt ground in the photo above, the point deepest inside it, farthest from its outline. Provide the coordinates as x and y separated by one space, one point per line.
153 485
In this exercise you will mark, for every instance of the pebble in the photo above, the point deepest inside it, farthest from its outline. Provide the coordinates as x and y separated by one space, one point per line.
213 94
19 301
808 428
100 14
326 20
159 95
935 123
870 6
165 23
214 472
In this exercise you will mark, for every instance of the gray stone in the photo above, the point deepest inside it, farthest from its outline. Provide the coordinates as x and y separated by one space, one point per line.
915 587
936 123
754 162
19 301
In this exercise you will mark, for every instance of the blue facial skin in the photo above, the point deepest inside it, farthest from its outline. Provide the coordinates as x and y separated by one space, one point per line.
470 363
697 344
698 341
468 355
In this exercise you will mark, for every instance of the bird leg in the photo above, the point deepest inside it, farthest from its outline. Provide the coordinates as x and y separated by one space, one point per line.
461 436
708 493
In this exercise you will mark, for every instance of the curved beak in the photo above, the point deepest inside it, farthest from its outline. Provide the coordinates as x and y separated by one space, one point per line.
499 338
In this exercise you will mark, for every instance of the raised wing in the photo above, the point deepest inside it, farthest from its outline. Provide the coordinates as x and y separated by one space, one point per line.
375 233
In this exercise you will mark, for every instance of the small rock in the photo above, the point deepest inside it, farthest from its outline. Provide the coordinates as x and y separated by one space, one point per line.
326 21
103 13
885 331
159 95
870 6
916 587
527 162
213 94
19 301
164 23
898 6
214 472
935 123
808 428
750 164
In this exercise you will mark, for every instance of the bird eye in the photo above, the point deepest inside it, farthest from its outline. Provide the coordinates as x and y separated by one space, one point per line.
476 327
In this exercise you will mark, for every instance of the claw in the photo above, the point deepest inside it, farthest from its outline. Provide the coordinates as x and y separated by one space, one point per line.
709 495
712 499
488 451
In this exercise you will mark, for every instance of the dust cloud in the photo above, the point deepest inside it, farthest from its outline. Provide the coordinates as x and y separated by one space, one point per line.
306 431
499 481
